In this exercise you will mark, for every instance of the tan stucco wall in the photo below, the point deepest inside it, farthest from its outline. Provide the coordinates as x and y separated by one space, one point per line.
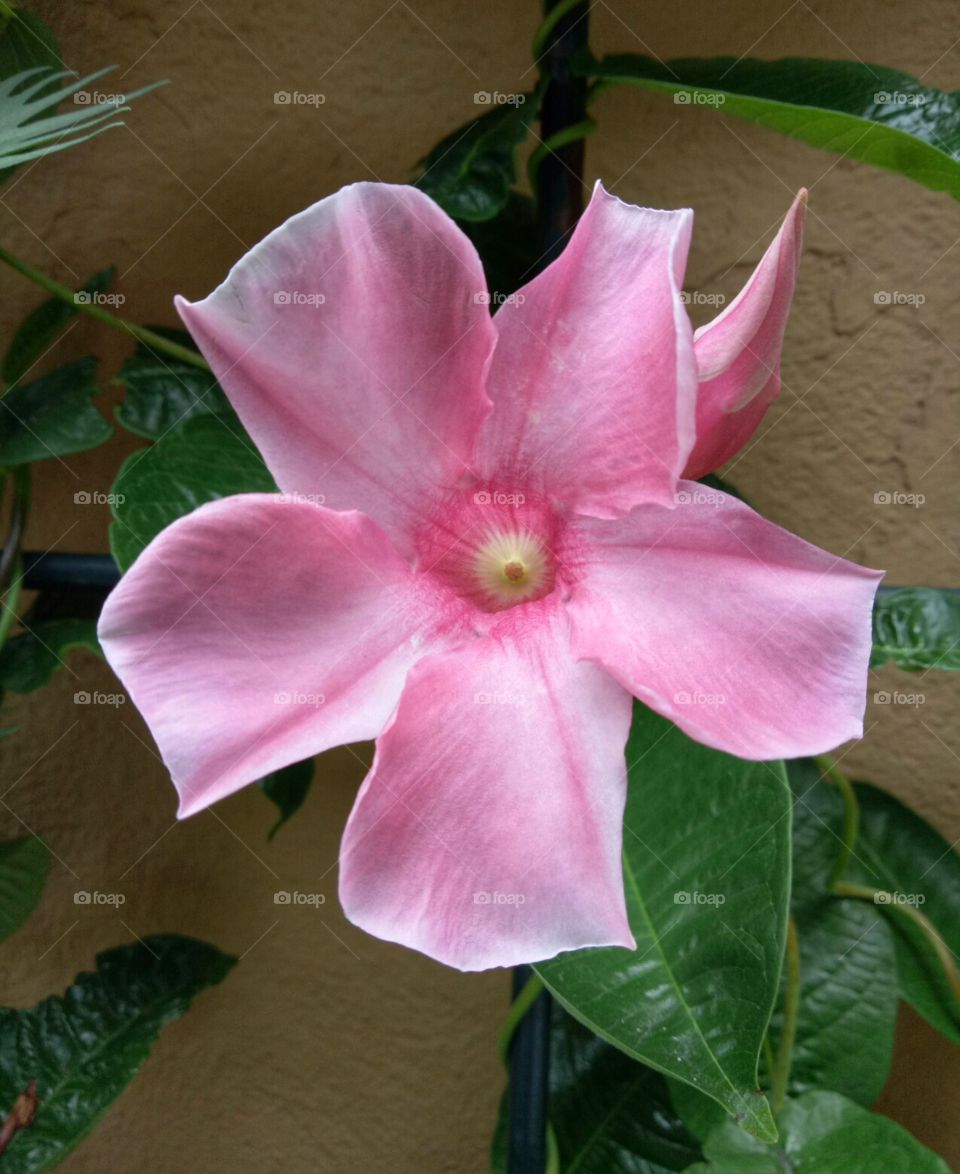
328 1050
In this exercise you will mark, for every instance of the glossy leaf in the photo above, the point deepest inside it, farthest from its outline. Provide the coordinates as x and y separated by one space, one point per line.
707 875
917 628
470 172
848 985
866 112
204 460
918 867
610 1115
83 1048
43 325
24 864
26 42
821 1133
29 660
287 788
52 416
163 393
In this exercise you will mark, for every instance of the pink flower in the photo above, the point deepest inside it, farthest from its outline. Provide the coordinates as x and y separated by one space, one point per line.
483 550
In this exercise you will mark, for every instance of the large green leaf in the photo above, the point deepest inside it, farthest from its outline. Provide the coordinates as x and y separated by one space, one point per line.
164 393
23 871
866 112
821 1133
29 660
920 868
287 788
42 326
707 876
83 1048
917 628
26 42
848 970
610 1115
470 172
52 416
206 459
508 245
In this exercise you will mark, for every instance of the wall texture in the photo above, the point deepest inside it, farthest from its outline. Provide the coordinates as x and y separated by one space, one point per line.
328 1050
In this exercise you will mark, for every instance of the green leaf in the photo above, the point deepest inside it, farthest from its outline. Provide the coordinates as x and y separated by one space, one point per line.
29 660
610 1115
918 866
83 1048
41 327
204 460
24 864
917 628
823 1133
52 416
707 876
471 171
164 393
508 245
27 128
26 42
287 788
865 112
848 970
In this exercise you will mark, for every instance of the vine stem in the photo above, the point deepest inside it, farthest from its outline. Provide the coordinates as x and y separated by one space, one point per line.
780 1075
913 914
155 341
851 818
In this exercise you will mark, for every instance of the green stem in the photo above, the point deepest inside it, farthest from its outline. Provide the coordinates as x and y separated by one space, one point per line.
912 913
541 37
569 134
768 1055
156 341
851 818
780 1075
518 1008
8 613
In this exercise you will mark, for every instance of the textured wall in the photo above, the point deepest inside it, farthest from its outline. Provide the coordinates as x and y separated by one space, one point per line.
327 1050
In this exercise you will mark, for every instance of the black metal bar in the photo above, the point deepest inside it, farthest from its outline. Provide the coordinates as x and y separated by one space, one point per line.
42 571
529 1083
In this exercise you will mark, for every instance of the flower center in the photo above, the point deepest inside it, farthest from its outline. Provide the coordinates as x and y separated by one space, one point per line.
509 565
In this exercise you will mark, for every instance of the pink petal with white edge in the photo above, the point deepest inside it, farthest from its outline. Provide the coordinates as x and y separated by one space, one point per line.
594 379
257 631
750 639
375 392
488 832
738 353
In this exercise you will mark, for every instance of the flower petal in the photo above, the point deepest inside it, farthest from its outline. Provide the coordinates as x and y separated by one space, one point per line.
376 391
738 353
750 639
593 378
488 832
257 631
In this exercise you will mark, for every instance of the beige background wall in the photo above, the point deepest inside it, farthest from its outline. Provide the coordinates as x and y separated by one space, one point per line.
327 1050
